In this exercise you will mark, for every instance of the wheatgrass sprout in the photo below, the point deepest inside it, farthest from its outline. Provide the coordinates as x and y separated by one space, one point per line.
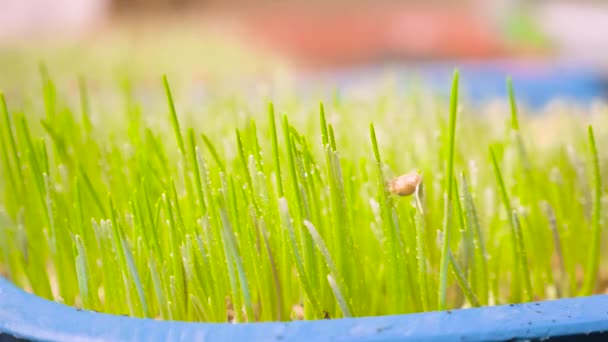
236 209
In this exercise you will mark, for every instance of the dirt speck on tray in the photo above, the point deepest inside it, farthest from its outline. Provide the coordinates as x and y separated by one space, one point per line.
230 318
297 312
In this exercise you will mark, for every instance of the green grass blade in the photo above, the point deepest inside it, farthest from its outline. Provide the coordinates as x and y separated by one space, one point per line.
593 258
447 219
245 169
174 120
10 134
275 149
232 250
515 129
286 221
392 251
372 134
513 103
516 284
421 250
338 285
339 296
214 154
462 282
48 91
175 262
196 170
523 259
324 134
478 239
84 104
562 283
82 273
127 266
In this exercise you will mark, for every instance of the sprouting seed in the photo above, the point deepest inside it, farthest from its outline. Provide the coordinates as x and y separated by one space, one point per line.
406 184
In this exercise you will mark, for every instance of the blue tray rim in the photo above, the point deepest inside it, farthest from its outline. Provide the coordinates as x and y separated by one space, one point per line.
28 316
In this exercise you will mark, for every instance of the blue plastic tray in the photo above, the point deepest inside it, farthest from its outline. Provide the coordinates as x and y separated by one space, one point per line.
27 316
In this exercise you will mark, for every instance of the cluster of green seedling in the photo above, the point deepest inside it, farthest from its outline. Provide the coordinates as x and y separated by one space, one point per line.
114 212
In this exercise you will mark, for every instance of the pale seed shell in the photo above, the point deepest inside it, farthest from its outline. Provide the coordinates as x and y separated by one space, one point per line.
405 185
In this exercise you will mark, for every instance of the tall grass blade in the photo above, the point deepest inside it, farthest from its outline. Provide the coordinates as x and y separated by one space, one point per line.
447 213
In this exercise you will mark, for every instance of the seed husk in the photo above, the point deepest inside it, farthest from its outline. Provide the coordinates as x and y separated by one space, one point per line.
406 184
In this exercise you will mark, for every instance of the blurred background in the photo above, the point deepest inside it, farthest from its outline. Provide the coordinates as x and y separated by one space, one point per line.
551 48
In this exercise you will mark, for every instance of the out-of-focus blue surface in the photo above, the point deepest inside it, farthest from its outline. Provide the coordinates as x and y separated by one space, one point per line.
27 316
535 83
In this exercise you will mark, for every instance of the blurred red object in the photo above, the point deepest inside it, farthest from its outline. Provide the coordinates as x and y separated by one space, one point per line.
359 35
